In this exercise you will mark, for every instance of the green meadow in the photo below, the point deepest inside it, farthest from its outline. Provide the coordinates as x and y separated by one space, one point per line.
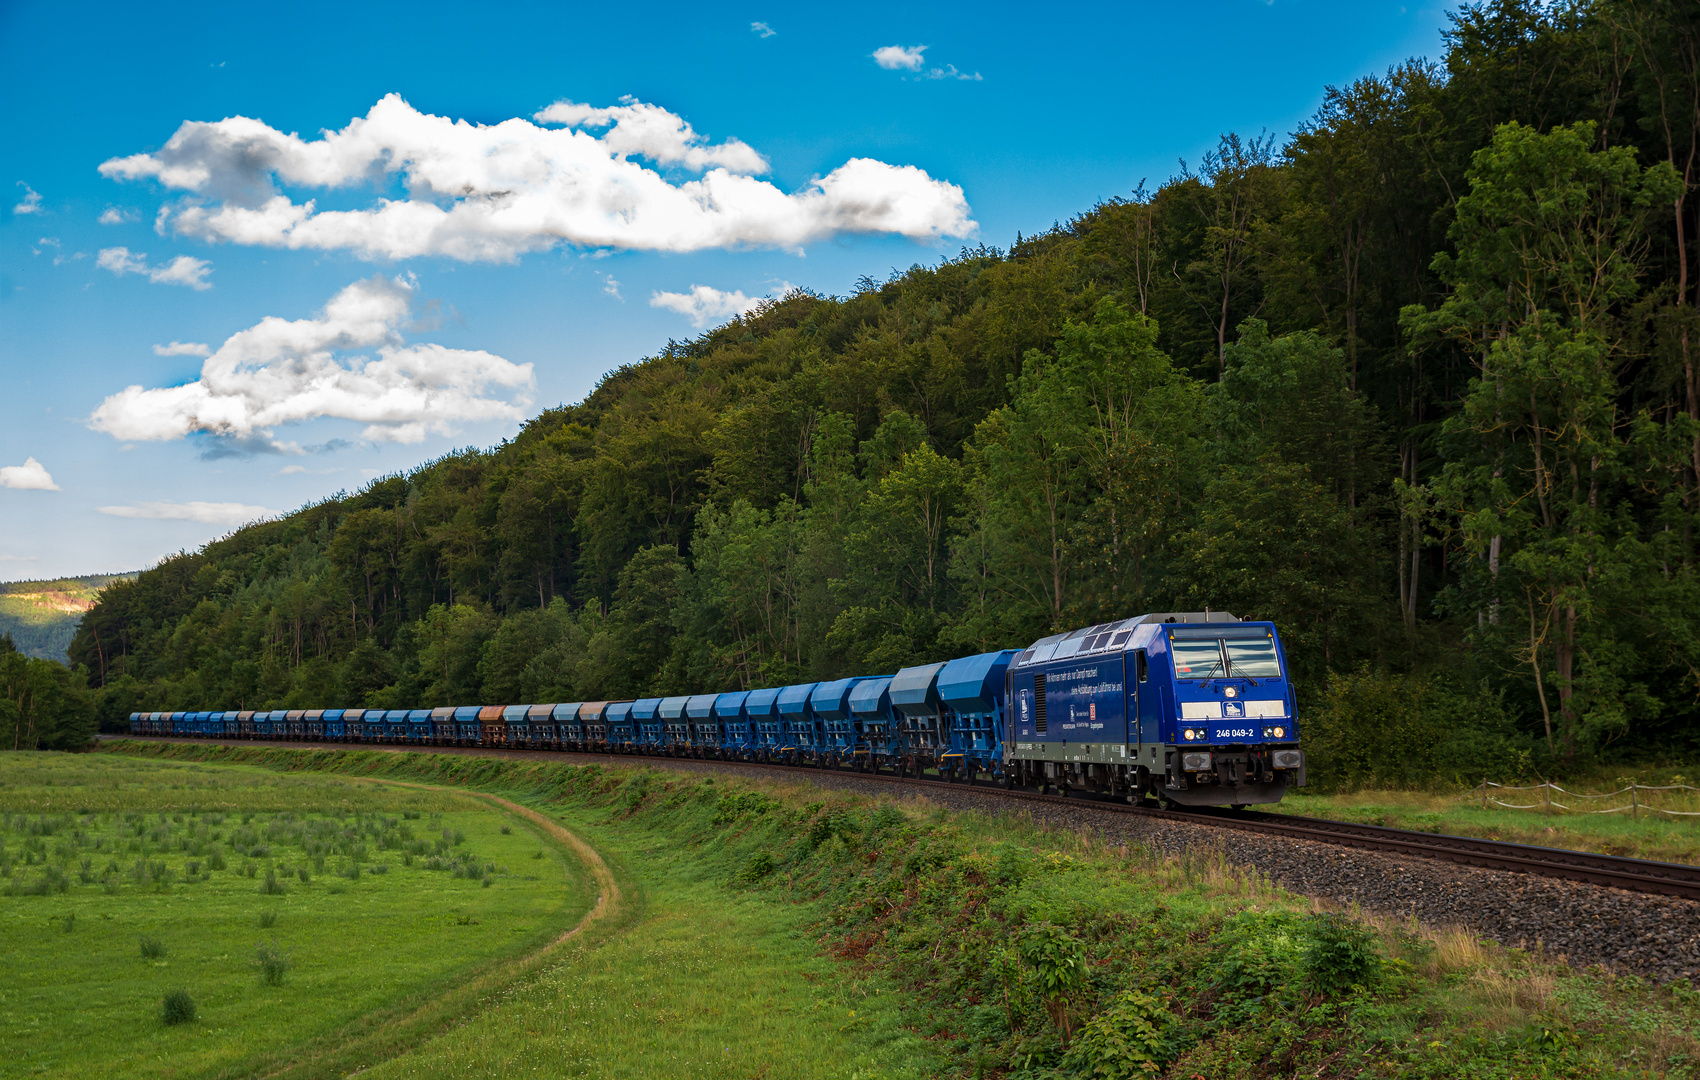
298 913
693 980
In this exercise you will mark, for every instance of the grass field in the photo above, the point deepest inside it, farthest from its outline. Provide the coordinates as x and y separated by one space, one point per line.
123 880
1648 836
694 981
814 933
753 929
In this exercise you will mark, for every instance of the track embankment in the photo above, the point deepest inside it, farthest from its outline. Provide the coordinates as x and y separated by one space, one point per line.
1587 921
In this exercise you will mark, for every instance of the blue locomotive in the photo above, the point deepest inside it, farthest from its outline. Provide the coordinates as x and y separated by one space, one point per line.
1182 708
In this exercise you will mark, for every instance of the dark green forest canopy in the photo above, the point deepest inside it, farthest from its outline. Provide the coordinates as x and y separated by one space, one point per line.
1419 385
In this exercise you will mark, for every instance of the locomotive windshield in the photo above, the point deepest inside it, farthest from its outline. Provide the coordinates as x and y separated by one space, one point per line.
1253 657
1198 659
1243 653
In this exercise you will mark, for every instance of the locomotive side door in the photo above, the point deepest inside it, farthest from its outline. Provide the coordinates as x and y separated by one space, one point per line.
1130 707
1144 690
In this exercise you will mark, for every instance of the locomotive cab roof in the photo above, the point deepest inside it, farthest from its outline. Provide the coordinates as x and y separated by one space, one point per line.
1108 637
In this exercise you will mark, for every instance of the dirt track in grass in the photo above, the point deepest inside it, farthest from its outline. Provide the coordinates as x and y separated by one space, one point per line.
350 1051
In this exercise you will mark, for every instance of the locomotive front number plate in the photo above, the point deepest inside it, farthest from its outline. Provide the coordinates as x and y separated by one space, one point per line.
1233 734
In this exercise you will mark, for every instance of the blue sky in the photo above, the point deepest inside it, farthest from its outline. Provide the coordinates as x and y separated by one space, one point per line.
409 317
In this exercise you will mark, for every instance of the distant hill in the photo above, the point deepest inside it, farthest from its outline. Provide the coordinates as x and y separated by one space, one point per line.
42 616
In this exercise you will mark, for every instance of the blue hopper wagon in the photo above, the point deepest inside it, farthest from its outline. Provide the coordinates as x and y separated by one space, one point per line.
800 738
879 741
971 689
737 734
703 725
622 729
569 723
675 728
915 696
830 702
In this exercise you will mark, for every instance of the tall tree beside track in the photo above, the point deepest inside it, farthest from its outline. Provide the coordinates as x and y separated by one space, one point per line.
43 704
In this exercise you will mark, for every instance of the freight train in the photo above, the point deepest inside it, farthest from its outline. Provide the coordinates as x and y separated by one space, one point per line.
1179 708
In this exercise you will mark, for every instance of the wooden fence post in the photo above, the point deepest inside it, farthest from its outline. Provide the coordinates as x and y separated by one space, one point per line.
1484 793
1634 803
1546 790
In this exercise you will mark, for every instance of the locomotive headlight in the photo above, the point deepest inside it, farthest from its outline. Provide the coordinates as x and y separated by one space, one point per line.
1186 733
1280 733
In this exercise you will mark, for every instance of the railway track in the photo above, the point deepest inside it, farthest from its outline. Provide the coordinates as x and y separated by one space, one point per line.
1638 875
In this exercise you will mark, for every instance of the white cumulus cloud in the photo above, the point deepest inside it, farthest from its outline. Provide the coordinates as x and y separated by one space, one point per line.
494 192
281 371
30 476
182 348
909 58
637 129
117 215
31 202
761 29
209 513
183 270
705 304
900 57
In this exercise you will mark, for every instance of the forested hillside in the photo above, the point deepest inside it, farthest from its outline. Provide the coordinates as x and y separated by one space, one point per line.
42 616
1418 383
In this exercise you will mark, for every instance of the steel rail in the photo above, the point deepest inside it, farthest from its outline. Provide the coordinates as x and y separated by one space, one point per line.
1615 871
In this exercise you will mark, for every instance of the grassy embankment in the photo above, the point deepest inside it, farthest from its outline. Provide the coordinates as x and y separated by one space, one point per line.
1021 952
42 616
1639 832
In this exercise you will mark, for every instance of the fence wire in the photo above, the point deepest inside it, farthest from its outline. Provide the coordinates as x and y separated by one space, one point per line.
1547 789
